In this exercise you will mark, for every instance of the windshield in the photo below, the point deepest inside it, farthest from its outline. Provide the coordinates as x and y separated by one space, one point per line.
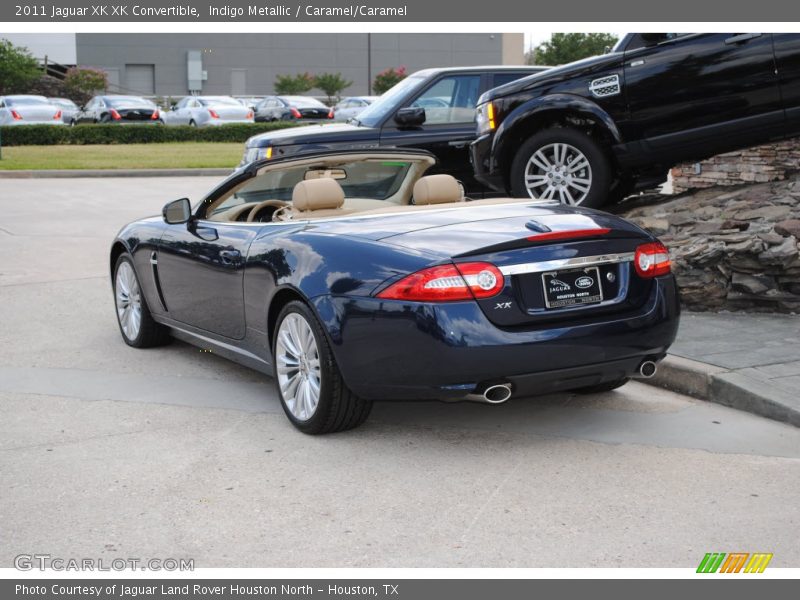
218 101
378 110
303 102
374 179
125 101
23 100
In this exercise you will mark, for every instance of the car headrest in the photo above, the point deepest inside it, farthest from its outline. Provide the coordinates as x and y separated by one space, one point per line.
317 194
437 189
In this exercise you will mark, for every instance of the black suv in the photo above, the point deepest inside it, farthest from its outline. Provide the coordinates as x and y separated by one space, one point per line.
432 109
594 130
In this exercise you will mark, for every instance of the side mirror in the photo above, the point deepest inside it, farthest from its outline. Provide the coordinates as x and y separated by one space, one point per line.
177 212
651 39
173 106
412 116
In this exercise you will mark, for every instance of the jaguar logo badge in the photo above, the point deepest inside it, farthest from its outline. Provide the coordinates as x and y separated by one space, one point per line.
556 285
584 282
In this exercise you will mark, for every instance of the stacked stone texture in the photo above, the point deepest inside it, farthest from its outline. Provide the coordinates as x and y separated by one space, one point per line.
732 249
770 162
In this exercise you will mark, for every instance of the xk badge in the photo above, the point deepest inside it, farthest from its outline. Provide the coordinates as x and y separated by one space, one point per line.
502 305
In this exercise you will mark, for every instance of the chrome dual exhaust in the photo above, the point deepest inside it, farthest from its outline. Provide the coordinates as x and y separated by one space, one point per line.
493 394
647 369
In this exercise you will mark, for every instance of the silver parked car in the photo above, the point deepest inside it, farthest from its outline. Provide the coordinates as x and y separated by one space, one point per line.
352 106
68 108
29 110
208 111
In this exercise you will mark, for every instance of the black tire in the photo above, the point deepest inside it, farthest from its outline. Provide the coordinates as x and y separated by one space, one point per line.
338 409
601 173
150 333
603 387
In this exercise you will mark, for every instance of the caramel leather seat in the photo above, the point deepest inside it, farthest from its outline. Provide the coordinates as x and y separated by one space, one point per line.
314 198
437 189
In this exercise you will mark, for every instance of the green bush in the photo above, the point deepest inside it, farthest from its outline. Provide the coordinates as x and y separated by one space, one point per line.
49 135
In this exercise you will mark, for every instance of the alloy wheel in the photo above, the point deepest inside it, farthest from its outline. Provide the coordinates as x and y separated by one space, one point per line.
298 366
129 301
560 172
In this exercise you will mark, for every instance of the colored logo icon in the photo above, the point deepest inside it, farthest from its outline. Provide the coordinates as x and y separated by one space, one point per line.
734 562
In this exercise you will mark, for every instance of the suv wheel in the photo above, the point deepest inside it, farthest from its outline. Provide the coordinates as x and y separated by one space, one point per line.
562 164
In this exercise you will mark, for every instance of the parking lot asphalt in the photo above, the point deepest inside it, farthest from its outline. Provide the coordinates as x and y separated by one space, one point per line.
111 452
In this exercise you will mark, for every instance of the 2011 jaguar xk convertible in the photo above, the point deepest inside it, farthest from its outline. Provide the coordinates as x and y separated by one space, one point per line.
351 276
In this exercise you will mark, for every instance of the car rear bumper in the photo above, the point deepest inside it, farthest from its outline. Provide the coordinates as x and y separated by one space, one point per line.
220 122
483 165
396 350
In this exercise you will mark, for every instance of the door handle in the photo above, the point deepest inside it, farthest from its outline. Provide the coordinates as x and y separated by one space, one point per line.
458 144
741 37
229 257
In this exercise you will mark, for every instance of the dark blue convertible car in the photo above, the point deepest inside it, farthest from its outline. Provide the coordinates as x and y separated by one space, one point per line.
352 276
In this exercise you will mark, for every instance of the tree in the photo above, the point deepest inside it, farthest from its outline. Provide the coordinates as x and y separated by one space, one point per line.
388 79
293 84
82 83
563 48
332 84
18 68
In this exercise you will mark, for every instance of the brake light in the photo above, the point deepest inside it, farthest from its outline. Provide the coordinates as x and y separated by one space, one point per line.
115 115
214 114
155 115
57 116
296 113
448 283
652 260
250 115
330 114
552 236
16 115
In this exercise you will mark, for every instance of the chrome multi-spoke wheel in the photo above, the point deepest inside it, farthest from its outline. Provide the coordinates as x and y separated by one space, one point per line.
311 388
298 366
129 301
558 171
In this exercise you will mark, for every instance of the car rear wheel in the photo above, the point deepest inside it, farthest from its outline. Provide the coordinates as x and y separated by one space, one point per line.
192 123
136 324
313 394
562 164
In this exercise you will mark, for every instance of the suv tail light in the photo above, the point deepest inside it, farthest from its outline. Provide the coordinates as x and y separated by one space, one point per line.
155 115
296 113
16 115
214 114
330 114
448 283
115 115
57 116
652 260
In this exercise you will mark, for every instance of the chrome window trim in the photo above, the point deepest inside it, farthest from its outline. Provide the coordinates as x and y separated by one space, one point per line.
567 263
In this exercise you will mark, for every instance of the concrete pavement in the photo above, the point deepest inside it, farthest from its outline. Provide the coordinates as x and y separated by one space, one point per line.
107 451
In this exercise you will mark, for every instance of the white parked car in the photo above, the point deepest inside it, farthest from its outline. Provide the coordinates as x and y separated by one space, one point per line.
351 107
68 108
208 111
29 110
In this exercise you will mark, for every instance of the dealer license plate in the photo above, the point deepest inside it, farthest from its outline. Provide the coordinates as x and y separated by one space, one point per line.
572 287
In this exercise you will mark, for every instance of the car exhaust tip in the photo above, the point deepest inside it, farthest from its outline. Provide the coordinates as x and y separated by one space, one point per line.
647 369
497 394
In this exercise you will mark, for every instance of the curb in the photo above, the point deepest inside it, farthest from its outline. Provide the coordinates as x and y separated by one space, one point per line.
74 173
729 388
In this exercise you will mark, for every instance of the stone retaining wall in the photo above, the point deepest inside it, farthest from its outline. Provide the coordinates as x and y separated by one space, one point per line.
770 162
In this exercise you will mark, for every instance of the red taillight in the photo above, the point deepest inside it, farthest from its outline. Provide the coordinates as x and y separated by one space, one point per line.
155 115
115 115
250 115
448 283
330 114
552 236
296 113
16 115
214 114
57 116
651 260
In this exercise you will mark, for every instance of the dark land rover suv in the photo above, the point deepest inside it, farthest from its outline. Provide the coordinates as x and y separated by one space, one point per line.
594 130
432 109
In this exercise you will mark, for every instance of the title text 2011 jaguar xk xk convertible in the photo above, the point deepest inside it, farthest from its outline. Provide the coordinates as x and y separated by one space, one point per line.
352 277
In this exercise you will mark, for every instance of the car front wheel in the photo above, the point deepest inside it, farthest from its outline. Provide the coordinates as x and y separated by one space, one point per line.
313 394
136 324
562 164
